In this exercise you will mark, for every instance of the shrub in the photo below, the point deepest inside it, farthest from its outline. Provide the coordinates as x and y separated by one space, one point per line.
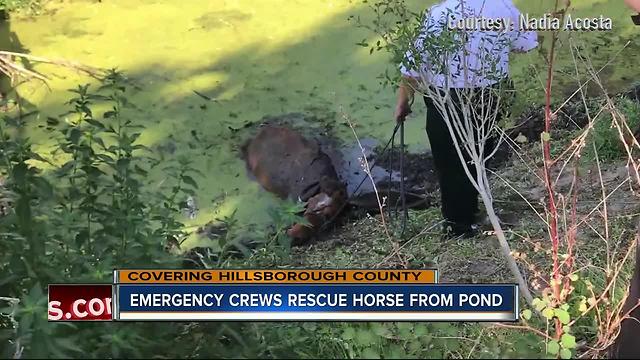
79 221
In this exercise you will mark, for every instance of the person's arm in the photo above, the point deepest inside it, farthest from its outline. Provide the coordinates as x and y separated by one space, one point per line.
406 92
634 4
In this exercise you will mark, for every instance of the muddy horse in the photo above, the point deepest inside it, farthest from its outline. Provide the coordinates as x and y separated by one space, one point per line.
291 166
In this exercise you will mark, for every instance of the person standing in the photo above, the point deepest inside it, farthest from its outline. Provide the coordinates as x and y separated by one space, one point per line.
459 198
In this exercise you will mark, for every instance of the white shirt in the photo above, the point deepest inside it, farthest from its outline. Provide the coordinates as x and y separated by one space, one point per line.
485 59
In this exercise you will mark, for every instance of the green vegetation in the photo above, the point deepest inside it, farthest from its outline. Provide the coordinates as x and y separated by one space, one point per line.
606 137
96 188
77 221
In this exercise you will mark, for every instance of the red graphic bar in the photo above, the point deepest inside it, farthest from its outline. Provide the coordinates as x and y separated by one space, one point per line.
80 302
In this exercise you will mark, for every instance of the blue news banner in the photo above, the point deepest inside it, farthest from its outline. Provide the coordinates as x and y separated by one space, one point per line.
316 302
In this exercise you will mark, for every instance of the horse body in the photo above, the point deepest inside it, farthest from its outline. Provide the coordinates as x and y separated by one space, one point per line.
290 166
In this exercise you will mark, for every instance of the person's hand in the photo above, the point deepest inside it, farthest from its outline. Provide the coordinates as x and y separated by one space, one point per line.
404 99
402 110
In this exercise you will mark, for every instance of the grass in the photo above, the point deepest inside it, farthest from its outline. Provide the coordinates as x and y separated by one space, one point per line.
361 243
605 136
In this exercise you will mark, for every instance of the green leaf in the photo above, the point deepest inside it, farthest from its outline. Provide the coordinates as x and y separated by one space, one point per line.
74 135
545 136
370 353
365 337
568 341
95 123
563 316
415 346
123 163
43 186
309 326
535 301
140 170
582 307
189 181
526 314
381 329
548 313
565 354
349 333
553 347
539 304
51 121
394 352
420 330
574 277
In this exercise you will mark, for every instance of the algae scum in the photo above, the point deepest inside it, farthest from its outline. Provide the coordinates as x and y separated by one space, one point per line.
204 73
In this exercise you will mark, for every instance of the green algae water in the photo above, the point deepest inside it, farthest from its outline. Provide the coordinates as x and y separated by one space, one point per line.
248 59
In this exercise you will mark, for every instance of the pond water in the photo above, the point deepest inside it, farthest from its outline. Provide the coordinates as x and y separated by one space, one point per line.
255 58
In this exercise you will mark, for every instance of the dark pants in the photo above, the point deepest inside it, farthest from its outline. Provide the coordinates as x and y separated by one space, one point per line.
459 198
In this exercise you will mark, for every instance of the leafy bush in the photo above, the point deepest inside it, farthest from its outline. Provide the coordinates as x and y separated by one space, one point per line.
79 221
